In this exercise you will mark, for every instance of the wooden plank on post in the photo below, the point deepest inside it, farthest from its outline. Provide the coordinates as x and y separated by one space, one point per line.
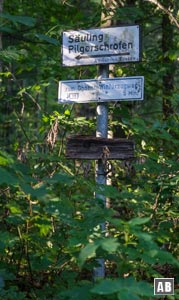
94 148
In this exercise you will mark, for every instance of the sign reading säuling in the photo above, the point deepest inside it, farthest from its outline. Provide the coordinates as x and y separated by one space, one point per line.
101 46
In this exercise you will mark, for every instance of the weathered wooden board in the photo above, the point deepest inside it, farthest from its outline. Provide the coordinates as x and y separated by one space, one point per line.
87 147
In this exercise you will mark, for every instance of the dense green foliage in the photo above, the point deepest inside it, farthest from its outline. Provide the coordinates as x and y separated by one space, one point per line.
50 233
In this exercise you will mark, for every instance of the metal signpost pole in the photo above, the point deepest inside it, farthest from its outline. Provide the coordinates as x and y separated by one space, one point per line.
101 131
101 46
102 126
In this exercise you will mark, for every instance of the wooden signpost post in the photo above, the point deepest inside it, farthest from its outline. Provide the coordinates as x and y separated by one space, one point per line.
101 46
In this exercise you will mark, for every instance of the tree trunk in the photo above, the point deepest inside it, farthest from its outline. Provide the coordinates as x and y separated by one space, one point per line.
167 45
108 11
1 10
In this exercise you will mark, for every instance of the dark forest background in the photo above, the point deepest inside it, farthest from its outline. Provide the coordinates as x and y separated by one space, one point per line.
50 220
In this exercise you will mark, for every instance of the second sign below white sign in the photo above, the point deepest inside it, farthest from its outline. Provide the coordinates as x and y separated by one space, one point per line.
105 90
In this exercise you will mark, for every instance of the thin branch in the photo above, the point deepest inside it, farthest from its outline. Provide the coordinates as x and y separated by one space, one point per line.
165 10
25 92
21 125
33 99
155 206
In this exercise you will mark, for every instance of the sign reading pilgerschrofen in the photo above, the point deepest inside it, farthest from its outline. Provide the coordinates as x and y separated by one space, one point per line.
101 46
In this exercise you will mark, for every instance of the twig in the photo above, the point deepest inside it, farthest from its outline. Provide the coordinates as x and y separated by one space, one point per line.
157 199
32 98
25 92
21 125
164 9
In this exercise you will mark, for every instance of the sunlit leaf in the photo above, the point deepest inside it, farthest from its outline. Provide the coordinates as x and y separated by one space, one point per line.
28 21
109 244
139 221
87 252
47 39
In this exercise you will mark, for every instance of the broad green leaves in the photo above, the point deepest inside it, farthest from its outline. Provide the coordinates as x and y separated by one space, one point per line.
109 245
88 252
7 177
123 288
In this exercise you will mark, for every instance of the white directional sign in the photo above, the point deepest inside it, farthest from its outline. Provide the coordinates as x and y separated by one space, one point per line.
104 90
101 46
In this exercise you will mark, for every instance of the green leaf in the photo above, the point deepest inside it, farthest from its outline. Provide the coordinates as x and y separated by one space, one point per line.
61 178
109 244
6 177
108 191
142 288
87 252
7 240
47 39
139 221
34 192
44 226
97 1
78 293
108 286
7 275
40 262
127 295
5 159
14 208
2 284
67 112
167 257
129 12
6 29
28 21
9 55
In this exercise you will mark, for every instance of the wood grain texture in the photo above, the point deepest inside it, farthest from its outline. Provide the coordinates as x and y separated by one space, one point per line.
87 147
